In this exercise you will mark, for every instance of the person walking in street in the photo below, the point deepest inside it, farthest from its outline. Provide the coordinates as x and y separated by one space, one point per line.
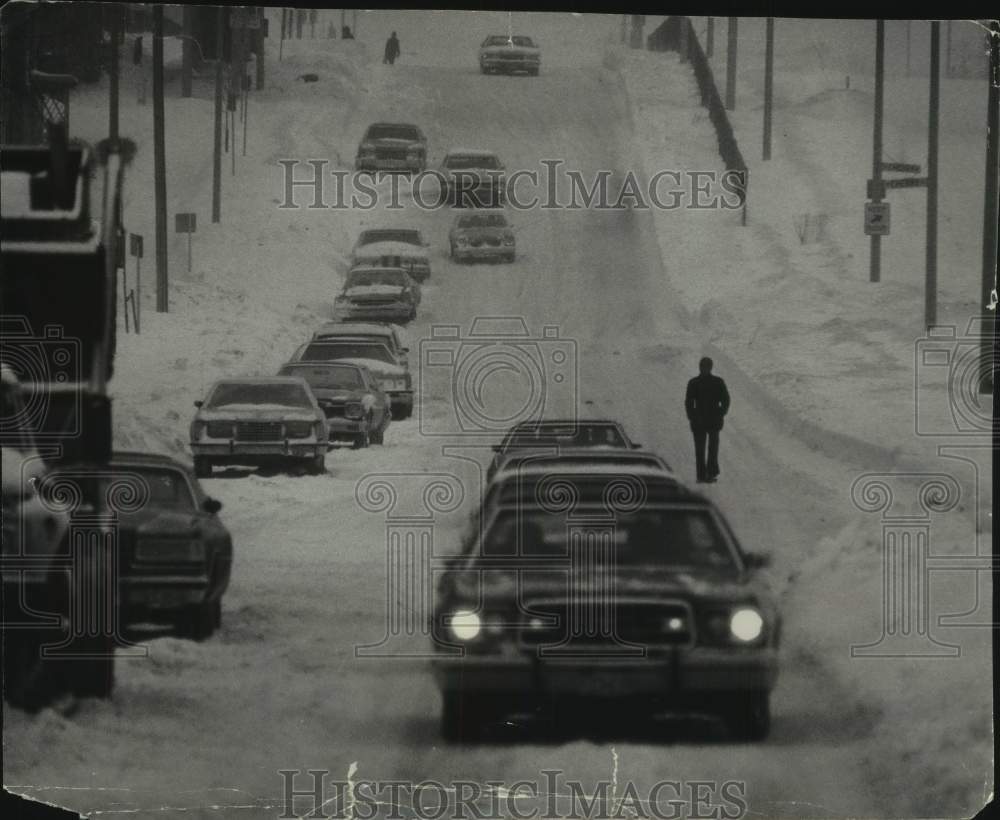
706 403
391 49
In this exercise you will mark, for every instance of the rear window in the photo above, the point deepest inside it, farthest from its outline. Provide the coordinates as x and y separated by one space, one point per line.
330 351
393 132
407 237
167 488
375 277
584 435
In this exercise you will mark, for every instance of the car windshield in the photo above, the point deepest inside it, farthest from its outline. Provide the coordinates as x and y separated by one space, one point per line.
331 351
404 235
580 435
462 161
167 488
682 538
363 278
483 221
287 394
327 378
392 132
501 40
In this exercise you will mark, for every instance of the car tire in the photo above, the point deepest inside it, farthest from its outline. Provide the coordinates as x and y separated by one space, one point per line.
363 439
748 718
198 623
378 436
462 717
202 467
508 257
405 411
317 464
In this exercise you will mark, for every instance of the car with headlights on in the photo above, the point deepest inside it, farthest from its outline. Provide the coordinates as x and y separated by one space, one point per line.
473 177
392 147
377 294
625 594
356 408
174 553
388 334
259 421
403 248
482 235
394 379
557 434
500 53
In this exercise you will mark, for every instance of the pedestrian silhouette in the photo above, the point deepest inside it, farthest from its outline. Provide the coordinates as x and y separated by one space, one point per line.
391 49
706 403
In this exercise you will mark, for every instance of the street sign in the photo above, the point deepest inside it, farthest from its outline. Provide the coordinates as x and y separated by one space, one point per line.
906 182
903 167
135 244
876 189
877 218
185 223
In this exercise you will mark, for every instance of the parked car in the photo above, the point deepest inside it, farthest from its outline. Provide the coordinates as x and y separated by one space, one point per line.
356 408
259 421
394 378
174 554
482 235
392 147
473 177
656 609
377 295
557 434
403 248
388 334
499 53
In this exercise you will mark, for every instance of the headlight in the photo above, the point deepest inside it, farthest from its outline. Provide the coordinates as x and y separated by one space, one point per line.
298 429
464 624
354 410
463 240
220 429
746 624
394 384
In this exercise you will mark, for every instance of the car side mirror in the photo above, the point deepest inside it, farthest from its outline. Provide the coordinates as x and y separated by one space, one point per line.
636 446
757 560
211 505
198 403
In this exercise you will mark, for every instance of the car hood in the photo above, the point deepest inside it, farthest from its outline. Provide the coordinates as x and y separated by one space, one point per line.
257 412
378 367
361 291
378 249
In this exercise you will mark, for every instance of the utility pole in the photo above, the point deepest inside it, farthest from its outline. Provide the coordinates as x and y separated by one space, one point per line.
731 65
217 142
875 273
710 37
159 163
768 86
281 42
947 53
261 41
907 48
354 22
187 51
990 214
116 36
300 21
930 284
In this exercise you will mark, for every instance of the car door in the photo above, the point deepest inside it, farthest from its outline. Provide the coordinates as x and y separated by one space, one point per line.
380 407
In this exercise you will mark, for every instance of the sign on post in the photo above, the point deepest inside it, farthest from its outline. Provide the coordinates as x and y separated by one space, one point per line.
135 249
186 223
877 218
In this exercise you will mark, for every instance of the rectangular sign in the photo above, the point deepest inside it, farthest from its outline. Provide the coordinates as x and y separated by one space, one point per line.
905 182
877 218
185 223
903 167
876 189
135 244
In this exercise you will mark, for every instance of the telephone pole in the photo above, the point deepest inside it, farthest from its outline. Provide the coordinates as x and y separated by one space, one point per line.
159 163
116 36
731 65
768 86
930 283
187 51
990 214
875 272
710 37
217 141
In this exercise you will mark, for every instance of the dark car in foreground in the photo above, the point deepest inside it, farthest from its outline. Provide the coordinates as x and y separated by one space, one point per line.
174 554
356 408
499 53
259 421
392 147
621 594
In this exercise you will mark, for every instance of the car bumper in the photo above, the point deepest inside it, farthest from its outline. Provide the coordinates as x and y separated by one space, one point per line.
395 313
682 674
341 428
499 64
401 398
257 452
484 252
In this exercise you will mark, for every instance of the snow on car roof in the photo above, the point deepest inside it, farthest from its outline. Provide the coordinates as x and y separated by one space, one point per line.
471 152
357 328
260 380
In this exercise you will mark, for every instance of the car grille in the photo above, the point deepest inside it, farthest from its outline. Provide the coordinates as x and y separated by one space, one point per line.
169 549
375 300
390 153
588 623
334 409
258 431
220 429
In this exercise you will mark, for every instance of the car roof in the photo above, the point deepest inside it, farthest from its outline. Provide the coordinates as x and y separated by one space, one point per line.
407 124
336 363
531 469
472 152
380 268
357 329
406 228
141 458
260 380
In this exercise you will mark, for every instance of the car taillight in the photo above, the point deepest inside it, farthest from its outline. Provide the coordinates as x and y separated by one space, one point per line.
298 429
354 410
220 429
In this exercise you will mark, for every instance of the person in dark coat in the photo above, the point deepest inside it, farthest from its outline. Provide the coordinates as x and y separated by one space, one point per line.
706 403
391 49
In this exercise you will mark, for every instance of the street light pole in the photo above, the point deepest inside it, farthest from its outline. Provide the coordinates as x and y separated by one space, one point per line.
159 163
930 284
768 86
875 273
731 65
990 215
217 137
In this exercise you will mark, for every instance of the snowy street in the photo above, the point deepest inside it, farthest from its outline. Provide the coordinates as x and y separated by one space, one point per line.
202 729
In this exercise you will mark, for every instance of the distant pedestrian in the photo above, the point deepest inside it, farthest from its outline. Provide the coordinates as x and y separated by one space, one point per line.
706 403
391 49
